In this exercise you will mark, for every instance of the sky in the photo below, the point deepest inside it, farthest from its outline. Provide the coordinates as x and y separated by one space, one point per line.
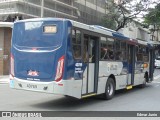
151 5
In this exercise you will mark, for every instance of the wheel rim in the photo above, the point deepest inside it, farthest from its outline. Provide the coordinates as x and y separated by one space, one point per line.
110 89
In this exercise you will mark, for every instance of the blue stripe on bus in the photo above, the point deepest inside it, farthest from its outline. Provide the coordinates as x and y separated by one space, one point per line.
119 36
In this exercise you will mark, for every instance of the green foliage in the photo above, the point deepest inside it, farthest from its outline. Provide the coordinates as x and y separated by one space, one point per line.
120 13
153 17
109 23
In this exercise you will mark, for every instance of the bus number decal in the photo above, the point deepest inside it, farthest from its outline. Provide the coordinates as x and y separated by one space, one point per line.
111 67
78 68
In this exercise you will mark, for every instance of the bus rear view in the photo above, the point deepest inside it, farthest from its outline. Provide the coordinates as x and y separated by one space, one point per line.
37 54
66 57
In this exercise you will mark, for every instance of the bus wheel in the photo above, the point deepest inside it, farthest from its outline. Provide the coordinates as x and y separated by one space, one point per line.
110 89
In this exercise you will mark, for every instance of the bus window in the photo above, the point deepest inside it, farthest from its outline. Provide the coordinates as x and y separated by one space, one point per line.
120 50
111 54
142 53
110 43
107 48
110 46
77 51
76 42
124 50
85 50
118 55
139 53
123 46
104 53
91 50
37 34
117 45
146 54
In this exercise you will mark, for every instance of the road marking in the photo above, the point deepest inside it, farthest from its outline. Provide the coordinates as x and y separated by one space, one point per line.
156 77
4 82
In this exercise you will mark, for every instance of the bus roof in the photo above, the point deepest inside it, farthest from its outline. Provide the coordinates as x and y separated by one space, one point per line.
91 28
74 23
6 24
94 28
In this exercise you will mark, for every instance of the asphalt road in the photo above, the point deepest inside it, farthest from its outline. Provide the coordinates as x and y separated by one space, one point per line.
146 99
137 99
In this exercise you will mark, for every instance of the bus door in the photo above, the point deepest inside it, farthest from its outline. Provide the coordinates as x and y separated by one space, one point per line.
131 64
90 59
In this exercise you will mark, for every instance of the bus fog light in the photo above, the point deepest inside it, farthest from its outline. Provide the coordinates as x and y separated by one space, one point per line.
45 88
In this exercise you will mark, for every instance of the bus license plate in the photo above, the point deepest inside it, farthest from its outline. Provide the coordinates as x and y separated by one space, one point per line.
31 86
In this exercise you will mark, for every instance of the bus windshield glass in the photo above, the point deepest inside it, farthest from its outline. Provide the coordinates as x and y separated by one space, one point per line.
37 34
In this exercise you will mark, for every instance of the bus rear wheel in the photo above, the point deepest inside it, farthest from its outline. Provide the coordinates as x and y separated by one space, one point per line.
110 89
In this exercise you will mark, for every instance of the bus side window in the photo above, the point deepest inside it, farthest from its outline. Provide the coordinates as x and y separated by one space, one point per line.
118 55
146 55
76 43
85 52
111 55
104 51
110 47
120 52
92 50
139 53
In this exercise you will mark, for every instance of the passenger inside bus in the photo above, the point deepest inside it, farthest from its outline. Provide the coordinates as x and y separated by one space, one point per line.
77 53
104 54
118 56
111 55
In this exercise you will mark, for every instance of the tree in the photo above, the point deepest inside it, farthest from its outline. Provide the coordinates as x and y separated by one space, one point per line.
120 12
153 17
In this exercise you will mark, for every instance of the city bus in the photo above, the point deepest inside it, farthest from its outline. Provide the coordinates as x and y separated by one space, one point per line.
62 56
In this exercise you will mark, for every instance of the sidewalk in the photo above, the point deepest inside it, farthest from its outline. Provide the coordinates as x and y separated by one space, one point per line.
4 79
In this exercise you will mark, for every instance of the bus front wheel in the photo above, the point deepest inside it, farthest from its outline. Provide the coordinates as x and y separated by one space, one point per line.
110 89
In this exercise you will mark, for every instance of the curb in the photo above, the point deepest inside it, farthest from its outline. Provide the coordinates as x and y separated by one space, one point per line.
4 79
4 82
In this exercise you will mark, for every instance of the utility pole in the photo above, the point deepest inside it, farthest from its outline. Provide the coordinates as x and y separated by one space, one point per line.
42 8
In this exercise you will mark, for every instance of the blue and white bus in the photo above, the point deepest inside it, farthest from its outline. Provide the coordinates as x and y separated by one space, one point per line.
62 56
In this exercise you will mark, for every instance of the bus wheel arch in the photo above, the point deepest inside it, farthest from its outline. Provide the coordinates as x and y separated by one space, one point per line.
113 77
110 88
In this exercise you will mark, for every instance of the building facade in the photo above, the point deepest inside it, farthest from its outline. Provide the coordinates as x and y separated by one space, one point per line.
86 11
5 43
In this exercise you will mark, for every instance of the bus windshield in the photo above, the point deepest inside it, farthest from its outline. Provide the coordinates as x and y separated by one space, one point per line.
37 34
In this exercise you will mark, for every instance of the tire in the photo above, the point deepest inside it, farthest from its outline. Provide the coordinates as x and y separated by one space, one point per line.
110 89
